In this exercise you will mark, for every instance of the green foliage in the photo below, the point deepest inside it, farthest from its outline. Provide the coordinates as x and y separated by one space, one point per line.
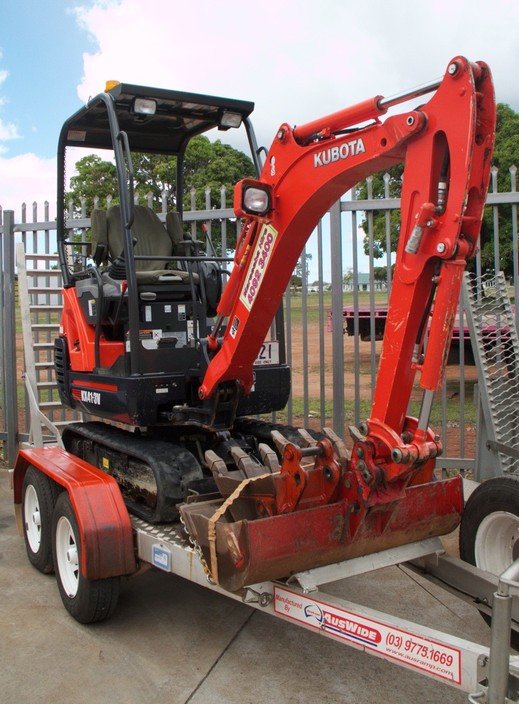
206 165
506 154
387 184
94 178
213 165
296 280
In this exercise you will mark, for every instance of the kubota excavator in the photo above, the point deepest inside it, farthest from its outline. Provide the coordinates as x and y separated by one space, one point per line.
152 341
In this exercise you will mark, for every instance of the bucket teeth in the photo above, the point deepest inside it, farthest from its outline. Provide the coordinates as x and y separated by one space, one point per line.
340 449
269 457
306 439
280 441
216 464
246 465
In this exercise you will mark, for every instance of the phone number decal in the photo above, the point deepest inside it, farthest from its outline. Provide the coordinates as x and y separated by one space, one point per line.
258 265
414 650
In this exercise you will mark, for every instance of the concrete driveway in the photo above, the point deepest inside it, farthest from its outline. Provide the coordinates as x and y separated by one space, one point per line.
172 642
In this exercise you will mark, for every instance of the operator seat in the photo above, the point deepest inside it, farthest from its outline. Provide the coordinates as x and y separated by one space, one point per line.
152 239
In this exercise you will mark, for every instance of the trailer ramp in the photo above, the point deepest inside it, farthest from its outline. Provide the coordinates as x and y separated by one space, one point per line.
493 332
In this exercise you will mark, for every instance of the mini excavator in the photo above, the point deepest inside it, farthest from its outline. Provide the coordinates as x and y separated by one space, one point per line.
178 366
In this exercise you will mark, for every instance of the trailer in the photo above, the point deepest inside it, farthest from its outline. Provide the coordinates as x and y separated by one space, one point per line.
487 675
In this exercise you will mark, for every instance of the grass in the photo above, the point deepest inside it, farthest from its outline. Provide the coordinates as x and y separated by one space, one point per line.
452 411
449 404
312 303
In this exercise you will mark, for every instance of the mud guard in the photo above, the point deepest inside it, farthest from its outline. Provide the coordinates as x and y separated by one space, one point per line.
104 522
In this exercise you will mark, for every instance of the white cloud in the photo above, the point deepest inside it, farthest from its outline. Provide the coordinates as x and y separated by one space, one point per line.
28 179
298 59
8 130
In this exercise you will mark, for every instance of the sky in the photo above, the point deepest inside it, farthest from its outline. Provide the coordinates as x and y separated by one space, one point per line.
296 59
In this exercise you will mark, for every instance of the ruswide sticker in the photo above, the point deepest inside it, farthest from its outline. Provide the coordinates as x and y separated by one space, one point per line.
421 653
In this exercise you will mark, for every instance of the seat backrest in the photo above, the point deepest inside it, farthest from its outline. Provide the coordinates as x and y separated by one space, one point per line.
152 238
151 235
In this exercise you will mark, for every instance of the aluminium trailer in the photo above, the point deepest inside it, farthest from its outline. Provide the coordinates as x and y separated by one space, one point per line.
109 538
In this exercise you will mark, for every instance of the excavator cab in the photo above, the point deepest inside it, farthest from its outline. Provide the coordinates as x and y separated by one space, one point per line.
140 295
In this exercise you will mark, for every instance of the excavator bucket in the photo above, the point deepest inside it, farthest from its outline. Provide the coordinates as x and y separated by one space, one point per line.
241 550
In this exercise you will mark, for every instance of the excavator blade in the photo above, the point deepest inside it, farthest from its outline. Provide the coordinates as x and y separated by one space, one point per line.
239 551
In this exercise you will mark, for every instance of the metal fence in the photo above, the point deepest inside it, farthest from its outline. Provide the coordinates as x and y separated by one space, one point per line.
333 372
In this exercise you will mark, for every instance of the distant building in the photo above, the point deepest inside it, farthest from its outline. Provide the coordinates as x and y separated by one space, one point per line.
364 283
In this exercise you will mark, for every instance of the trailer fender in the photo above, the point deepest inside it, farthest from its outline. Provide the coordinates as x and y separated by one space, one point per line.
103 519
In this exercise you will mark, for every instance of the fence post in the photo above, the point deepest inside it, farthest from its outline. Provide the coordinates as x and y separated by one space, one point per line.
9 334
2 312
337 319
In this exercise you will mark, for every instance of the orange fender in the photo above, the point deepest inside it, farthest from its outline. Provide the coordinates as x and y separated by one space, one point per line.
107 548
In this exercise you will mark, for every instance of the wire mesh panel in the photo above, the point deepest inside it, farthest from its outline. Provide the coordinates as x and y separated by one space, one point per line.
496 349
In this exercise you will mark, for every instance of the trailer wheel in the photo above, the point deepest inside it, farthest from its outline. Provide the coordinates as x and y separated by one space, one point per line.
489 530
39 496
87 600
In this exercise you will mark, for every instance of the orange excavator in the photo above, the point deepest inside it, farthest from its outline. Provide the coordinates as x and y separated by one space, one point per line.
179 365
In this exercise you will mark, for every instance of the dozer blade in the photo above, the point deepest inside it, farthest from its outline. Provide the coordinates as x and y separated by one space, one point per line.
243 551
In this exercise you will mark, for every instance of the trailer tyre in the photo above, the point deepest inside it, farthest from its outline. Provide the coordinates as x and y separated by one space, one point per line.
87 600
39 496
489 530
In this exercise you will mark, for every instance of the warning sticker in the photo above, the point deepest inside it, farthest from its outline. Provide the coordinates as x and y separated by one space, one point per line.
414 650
258 264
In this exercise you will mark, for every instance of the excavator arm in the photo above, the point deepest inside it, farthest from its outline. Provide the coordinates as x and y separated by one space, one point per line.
446 147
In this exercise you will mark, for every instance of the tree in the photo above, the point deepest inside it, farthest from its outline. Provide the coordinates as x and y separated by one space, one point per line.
380 274
506 154
206 165
296 280
347 279
389 185
94 178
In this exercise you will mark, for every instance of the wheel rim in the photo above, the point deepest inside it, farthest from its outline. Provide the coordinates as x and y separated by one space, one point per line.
32 518
67 556
497 542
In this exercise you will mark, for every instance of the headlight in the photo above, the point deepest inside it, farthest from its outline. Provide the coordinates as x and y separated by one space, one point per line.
143 106
230 119
252 198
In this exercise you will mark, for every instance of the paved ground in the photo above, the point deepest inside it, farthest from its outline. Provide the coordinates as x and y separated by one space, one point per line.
171 642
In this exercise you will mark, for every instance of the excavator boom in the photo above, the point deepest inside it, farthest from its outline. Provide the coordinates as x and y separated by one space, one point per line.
381 493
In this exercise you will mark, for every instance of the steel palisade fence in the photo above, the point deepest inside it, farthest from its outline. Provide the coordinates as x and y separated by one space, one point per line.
333 373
